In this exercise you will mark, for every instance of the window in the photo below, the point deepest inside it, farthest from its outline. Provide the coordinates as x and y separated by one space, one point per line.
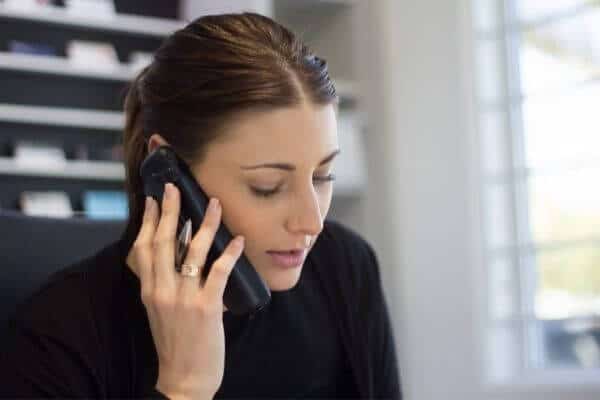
538 96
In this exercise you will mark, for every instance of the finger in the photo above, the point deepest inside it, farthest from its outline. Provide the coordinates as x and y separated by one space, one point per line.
142 247
221 269
164 239
200 245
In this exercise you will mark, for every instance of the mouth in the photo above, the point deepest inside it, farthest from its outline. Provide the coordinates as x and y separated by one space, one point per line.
298 250
288 258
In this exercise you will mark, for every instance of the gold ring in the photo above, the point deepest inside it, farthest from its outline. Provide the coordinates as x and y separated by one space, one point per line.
190 270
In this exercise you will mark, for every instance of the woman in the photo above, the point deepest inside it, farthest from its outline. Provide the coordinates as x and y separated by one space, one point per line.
252 112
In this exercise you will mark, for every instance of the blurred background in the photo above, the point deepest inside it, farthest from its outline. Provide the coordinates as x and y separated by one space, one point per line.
470 137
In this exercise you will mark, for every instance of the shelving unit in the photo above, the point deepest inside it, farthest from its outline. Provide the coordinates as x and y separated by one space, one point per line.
74 105
95 119
48 98
127 24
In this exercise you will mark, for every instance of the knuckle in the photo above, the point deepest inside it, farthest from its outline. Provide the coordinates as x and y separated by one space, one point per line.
159 240
221 267
146 296
139 245
196 247
188 304
162 299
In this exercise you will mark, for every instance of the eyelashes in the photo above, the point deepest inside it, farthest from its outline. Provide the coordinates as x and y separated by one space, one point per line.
268 193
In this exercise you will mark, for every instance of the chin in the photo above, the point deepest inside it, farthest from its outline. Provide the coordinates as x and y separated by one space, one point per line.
282 281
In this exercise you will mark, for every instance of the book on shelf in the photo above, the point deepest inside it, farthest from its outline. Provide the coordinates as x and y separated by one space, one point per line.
105 204
31 48
54 204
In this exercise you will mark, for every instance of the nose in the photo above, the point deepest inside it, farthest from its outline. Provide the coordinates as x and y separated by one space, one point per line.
305 214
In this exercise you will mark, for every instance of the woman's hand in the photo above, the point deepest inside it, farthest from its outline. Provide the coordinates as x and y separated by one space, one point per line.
185 314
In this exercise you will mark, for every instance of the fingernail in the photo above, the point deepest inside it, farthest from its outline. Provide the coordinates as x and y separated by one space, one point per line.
239 241
148 204
214 204
168 190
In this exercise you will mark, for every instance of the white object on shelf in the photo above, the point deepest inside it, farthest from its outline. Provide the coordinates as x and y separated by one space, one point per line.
95 56
104 9
39 155
99 170
109 120
120 23
350 166
27 5
61 66
48 204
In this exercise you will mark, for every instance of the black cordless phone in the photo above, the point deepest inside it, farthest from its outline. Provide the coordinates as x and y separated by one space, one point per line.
246 292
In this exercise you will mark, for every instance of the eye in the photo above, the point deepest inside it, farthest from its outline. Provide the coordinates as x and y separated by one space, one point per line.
264 193
324 179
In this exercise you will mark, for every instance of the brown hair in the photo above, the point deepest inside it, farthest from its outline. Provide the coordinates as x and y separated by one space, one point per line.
201 76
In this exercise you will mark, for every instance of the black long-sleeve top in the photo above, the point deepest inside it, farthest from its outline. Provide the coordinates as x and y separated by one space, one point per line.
85 333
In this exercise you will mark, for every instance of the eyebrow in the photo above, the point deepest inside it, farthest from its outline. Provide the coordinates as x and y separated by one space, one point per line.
289 167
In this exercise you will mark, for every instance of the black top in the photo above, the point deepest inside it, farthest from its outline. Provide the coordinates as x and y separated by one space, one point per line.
85 333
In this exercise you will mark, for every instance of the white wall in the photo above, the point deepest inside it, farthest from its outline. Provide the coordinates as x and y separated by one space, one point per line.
417 131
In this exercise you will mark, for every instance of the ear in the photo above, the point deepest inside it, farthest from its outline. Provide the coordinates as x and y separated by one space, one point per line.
155 141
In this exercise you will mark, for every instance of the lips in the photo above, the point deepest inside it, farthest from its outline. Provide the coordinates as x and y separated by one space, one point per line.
288 258
297 252
287 251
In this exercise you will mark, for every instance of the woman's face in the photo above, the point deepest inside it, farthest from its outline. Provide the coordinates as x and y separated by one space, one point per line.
270 174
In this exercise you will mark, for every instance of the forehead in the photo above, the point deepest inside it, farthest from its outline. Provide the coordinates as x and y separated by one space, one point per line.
301 134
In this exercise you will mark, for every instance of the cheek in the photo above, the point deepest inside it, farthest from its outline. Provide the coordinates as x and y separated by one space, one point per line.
325 197
256 222
241 218
255 218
